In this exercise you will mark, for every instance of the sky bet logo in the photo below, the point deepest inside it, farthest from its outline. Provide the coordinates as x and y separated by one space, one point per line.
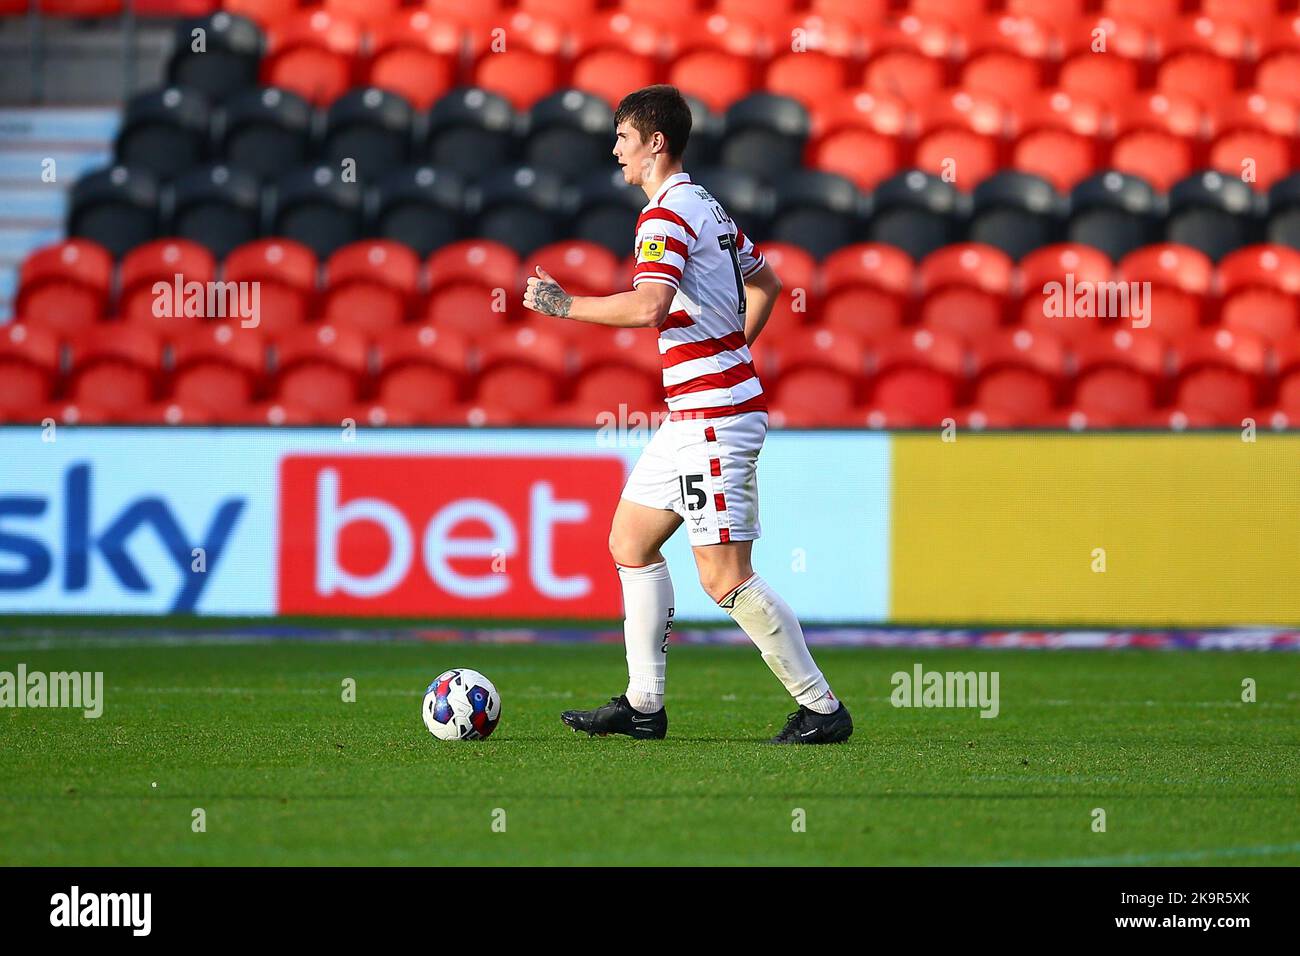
27 561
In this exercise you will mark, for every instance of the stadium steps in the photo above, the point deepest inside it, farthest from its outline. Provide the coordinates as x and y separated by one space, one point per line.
32 211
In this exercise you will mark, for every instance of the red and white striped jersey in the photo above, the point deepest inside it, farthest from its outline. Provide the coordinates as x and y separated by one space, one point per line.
686 240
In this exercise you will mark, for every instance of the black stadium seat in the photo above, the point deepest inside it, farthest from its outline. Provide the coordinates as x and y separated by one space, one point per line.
570 132
607 211
817 211
1017 212
1115 212
420 206
230 57
523 207
765 134
918 212
1284 212
371 127
747 199
471 131
217 206
165 131
314 205
1214 213
116 207
706 133
264 130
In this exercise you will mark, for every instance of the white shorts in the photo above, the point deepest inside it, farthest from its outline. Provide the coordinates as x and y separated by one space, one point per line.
706 470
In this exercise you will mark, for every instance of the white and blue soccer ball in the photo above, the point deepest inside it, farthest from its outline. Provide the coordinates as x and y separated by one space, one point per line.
461 704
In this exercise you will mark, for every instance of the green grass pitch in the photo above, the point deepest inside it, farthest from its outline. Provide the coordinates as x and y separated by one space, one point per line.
286 772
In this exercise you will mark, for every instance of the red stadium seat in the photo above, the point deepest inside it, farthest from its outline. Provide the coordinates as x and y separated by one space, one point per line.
522 76
1218 373
64 412
1083 114
1002 73
582 268
423 369
162 261
382 415
469 310
1260 285
1170 265
1286 355
906 74
620 368
800 298
279 414
917 374
741 34
29 366
1018 373
866 289
480 262
963 287
819 370
959 156
612 74
863 12
1051 279
320 368
115 367
864 156
1061 157
410 57
716 77
1228 39
314 54
1117 376
1204 76
809 76
265 13
1279 73
370 285
1111 78
872 110
522 372
217 367
1160 158
172 412
371 13
1168 112
286 273
64 286
1259 157
641 32
1256 110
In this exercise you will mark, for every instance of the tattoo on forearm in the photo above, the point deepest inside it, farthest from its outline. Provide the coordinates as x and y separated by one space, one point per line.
551 299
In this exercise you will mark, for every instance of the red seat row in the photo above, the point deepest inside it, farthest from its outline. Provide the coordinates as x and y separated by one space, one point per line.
420 374
969 290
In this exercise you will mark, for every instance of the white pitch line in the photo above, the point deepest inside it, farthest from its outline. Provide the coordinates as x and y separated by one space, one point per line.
1176 856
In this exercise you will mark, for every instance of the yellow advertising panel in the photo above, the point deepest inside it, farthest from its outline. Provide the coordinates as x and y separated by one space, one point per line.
1118 529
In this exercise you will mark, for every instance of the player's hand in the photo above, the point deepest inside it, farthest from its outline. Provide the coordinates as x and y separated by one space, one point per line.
543 294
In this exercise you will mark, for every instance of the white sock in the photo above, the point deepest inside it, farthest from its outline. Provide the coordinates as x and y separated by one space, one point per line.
648 610
772 625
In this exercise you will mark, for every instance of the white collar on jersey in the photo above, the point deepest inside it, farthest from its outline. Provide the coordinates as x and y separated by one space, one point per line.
673 180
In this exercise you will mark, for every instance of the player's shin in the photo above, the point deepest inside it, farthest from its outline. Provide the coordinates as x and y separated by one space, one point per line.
773 627
648 605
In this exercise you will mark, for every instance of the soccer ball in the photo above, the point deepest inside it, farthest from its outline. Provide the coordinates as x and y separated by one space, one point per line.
461 704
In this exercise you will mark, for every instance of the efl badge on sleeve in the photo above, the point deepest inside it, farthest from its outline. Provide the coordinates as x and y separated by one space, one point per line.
652 248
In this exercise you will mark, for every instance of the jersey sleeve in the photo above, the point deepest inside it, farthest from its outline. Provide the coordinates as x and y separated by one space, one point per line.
663 241
751 259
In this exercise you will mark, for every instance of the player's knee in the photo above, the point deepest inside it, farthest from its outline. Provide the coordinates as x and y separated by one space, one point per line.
626 551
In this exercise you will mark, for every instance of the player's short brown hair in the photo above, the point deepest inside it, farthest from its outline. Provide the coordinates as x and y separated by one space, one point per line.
659 108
